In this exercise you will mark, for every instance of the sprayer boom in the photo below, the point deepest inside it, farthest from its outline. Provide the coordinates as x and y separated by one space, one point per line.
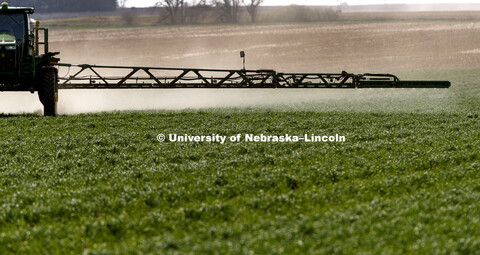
94 77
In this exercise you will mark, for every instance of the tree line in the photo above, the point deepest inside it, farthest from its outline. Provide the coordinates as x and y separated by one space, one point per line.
234 11
179 11
226 11
190 11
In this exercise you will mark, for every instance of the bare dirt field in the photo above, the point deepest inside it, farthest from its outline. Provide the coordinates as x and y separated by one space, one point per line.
370 47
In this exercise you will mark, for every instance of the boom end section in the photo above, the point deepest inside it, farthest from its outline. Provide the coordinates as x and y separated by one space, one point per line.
404 84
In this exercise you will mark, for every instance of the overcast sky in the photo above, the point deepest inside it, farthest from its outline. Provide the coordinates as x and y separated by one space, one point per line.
146 3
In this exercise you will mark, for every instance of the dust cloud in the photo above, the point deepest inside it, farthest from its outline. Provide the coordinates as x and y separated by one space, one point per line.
20 102
73 102
389 100
372 100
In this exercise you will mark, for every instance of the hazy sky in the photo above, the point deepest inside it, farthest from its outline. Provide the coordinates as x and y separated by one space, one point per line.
145 3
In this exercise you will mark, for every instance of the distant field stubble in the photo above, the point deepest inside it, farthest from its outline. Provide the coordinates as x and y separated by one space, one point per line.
368 47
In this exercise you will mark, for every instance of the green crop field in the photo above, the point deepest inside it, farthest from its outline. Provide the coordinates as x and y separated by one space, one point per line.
406 180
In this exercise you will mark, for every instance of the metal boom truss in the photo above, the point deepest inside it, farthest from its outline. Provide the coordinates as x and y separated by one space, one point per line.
127 77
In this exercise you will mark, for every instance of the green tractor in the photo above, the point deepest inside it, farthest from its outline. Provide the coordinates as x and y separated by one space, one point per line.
22 67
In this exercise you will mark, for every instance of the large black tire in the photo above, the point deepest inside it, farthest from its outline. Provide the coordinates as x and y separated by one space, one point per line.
47 90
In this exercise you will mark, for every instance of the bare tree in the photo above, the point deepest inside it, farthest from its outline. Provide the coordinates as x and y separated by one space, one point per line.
197 11
175 9
252 8
229 10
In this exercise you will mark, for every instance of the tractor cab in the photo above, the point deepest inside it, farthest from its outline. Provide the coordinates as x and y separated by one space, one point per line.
13 24
16 44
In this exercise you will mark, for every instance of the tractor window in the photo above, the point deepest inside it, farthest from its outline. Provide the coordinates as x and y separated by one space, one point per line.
13 24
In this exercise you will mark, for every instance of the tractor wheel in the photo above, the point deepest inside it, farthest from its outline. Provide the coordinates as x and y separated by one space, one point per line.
47 92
